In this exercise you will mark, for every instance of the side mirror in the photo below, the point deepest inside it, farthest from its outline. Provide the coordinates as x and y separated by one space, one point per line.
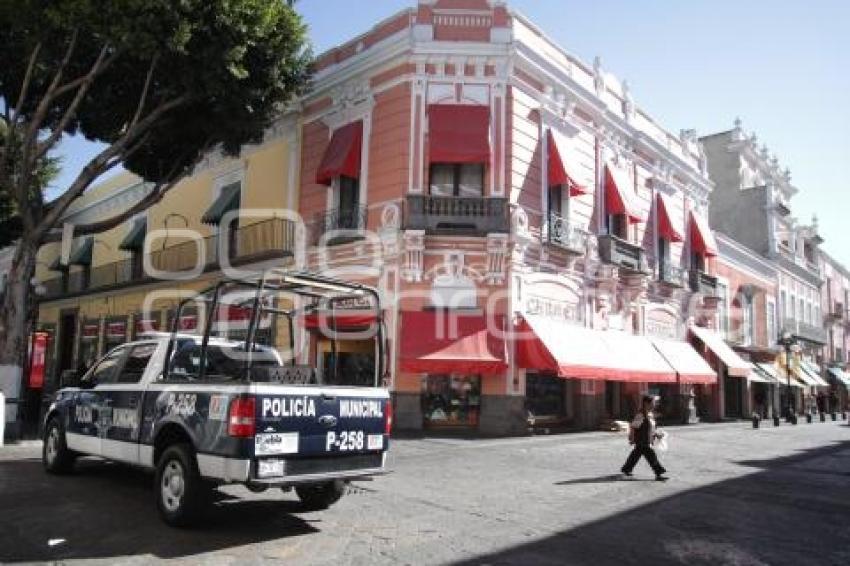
69 378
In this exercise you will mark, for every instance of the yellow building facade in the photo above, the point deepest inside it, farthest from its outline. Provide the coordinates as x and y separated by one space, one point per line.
231 213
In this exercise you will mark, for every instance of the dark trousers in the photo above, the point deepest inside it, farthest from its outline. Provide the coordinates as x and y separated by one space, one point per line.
648 453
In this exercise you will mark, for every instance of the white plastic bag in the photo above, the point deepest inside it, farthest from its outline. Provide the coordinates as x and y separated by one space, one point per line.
660 443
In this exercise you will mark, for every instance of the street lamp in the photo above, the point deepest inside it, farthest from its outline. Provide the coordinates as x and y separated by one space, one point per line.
786 340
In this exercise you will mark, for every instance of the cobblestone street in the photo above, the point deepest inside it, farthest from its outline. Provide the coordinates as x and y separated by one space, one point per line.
736 496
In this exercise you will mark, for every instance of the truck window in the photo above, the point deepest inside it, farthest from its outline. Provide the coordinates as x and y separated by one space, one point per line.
137 362
223 363
106 370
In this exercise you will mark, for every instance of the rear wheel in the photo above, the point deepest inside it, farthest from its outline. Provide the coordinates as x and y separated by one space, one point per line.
181 493
55 455
319 496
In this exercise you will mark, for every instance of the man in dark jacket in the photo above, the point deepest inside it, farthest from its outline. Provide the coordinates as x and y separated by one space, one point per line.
641 434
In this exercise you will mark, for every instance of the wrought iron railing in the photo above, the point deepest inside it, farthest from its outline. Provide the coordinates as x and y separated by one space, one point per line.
457 215
672 275
341 224
625 255
562 233
268 238
703 283
805 331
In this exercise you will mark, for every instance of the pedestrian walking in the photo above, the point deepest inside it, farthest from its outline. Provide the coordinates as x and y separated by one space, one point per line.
642 434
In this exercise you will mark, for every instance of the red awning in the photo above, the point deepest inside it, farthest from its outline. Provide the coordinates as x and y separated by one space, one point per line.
702 238
458 133
342 156
619 195
666 228
452 342
562 168
735 365
689 365
545 343
342 320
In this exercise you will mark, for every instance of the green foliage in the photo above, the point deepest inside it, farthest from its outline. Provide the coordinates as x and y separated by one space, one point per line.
236 63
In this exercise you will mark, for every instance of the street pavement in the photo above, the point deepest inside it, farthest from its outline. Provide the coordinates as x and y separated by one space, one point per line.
736 496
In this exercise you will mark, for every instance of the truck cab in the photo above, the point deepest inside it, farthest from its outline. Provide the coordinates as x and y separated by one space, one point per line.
204 411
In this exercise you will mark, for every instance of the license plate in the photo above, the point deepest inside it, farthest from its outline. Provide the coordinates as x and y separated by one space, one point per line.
270 468
345 441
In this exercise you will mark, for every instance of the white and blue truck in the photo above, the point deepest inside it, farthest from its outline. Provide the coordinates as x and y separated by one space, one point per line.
203 411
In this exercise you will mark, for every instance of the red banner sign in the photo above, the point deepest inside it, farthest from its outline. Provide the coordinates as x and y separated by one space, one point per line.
116 330
38 359
146 325
91 331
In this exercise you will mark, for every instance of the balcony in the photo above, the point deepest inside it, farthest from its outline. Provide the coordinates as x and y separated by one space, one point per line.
469 216
341 225
620 253
562 234
267 239
702 283
672 275
805 331
835 314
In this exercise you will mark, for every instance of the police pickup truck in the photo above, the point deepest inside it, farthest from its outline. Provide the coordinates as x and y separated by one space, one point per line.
204 411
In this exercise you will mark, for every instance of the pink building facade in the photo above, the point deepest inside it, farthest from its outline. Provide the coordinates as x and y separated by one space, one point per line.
540 242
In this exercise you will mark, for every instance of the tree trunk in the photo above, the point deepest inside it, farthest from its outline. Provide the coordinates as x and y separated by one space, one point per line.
15 326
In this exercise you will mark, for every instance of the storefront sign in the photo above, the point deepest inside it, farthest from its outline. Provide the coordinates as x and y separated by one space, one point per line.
91 331
146 325
116 330
38 360
551 308
661 324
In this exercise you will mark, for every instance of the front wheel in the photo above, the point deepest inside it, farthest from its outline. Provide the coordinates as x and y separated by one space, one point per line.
55 455
318 496
181 493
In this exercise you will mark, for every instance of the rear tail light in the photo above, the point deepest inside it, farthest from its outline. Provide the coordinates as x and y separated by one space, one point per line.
388 412
240 418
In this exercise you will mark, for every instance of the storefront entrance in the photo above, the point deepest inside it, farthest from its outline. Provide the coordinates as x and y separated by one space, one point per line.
734 389
545 397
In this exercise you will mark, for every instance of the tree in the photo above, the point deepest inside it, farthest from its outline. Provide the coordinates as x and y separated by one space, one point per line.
159 82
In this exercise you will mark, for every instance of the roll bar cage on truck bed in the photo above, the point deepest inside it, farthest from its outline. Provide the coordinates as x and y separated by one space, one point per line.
324 292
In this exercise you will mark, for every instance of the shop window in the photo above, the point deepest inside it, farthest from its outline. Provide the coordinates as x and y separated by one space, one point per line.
544 395
451 400
457 179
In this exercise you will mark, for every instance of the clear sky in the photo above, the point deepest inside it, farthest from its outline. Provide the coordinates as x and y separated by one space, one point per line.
783 66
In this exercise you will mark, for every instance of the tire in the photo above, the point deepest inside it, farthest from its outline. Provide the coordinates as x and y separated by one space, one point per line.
318 496
181 493
55 455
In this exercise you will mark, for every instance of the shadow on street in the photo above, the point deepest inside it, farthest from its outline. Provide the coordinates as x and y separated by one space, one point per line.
790 510
106 510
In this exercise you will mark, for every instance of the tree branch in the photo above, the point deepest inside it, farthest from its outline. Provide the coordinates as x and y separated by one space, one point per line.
41 110
25 86
145 89
104 161
43 147
141 205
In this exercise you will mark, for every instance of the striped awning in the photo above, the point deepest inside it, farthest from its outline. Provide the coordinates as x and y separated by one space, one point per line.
226 202
135 238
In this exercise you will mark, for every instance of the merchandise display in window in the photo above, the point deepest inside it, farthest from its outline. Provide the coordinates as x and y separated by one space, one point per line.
451 400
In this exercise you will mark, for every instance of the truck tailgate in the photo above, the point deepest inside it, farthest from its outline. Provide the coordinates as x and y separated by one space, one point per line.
308 422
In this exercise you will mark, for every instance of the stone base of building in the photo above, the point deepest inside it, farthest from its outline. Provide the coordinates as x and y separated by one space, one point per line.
503 415
407 412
